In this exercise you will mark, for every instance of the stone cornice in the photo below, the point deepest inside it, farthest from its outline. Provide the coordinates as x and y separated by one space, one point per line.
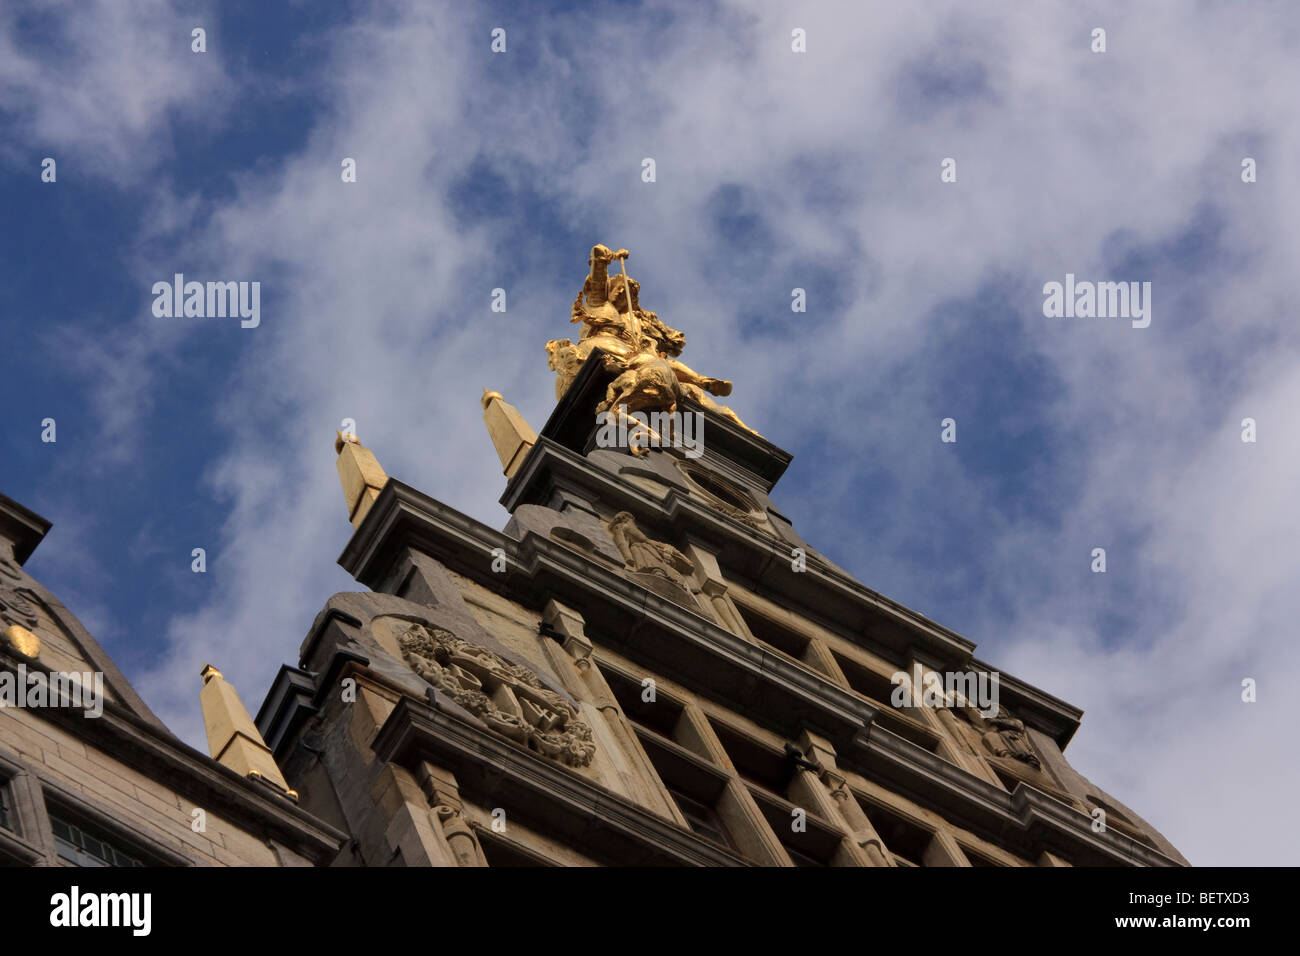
22 527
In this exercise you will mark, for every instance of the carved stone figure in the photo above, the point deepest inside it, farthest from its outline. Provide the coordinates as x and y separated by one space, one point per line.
641 349
508 697
655 565
1005 736
642 555
1011 754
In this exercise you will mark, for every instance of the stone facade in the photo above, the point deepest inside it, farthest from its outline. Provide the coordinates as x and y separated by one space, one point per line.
633 672
647 666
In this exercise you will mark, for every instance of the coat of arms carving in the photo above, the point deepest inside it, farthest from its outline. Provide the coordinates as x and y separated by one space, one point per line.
508 697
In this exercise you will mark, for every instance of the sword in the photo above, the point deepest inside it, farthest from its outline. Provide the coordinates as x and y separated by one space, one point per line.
634 324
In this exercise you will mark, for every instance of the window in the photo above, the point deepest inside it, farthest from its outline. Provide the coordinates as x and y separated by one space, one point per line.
660 714
909 843
758 765
773 634
696 786
779 637
813 843
81 845
879 689
799 858
700 816
767 774
694 783
729 494
6 813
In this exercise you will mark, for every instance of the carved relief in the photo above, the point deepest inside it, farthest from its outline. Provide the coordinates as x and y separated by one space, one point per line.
725 497
508 697
19 614
15 606
648 557
654 564
1004 736
1008 749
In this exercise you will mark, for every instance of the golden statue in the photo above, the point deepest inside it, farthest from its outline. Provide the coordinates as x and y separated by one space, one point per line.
640 349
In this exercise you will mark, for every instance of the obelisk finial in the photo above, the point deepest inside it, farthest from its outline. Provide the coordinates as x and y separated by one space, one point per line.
360 473
512 436
233 738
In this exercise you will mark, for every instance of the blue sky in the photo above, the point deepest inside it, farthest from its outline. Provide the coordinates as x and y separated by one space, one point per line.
775 170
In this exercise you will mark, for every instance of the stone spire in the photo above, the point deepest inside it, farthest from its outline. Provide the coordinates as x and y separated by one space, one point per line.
512 435
233 739
361 474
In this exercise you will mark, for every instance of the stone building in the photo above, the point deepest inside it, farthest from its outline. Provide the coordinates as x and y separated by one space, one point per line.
647 666
90 777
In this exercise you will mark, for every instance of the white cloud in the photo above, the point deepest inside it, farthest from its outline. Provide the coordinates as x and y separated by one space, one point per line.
104 84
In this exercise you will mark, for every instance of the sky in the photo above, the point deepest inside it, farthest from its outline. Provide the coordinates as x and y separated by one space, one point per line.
774 170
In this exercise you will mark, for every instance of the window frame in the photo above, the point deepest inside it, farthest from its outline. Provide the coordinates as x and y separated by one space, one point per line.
941 848
689 775
5 801
21 842
74 851
82 811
